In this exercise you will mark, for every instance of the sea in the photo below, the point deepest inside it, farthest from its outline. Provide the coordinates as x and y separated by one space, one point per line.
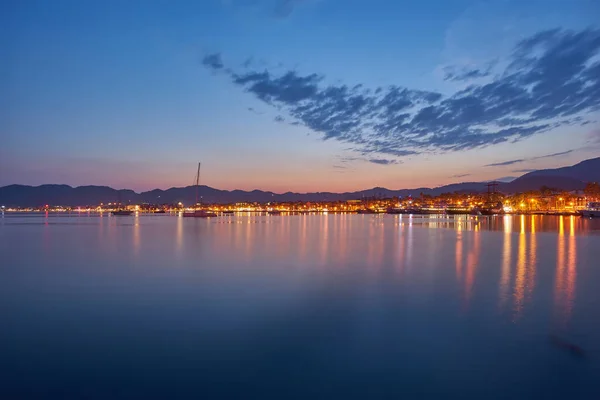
336 306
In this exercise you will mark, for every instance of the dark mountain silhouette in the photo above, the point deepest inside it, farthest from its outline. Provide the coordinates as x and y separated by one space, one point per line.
565 178
587 171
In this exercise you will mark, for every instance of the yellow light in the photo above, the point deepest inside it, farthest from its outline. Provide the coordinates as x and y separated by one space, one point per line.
522 204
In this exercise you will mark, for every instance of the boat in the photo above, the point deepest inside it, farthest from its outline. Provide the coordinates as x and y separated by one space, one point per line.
455 210
411 210
122 212
274 212
592 210
159 211
395 210
366 211
490 209
198 212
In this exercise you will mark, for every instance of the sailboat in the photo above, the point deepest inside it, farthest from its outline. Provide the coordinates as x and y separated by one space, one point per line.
198 213
121 210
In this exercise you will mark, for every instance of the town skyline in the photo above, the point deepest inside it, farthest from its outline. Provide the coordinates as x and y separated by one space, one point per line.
303 96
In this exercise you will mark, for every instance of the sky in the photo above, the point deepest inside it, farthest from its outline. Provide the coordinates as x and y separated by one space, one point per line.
295 95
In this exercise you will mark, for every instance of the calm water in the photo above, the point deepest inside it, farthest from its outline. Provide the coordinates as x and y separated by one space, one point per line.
315 306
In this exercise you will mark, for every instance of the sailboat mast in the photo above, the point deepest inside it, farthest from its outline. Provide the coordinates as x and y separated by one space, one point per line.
197 182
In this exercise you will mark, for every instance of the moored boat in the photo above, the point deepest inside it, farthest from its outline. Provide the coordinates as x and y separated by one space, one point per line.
490 209
122 212
366 211
198 212
452 210
592 210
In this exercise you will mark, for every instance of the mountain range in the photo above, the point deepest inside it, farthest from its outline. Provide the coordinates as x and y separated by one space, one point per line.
565 178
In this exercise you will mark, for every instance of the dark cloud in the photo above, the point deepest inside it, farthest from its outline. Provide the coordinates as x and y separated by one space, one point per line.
460 175
552 79
287 89
382 161
255 111
461 73
279 118
510 162
213 61
525 170
562 153
505 163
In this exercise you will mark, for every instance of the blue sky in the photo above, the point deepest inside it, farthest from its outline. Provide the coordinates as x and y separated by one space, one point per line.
301 95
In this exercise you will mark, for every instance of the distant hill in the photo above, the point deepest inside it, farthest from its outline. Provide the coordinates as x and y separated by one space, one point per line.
573 177
565 178
586 171
35 196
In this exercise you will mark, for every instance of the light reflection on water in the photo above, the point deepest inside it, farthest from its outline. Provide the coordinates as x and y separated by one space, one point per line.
308 306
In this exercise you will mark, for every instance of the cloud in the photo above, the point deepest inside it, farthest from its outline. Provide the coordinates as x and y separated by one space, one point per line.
279 118
255 111
340 167
524 170
550 78
348 159
460 175
562 153
382 161
505 163
498 164
213 61
506 179
464 73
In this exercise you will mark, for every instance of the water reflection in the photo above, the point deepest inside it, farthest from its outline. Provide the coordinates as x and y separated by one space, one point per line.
506 262
517 223
532 264
459 252
179 235
385 299
401 252
373 242
526 268
323 237
136 234
472 263
566 272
